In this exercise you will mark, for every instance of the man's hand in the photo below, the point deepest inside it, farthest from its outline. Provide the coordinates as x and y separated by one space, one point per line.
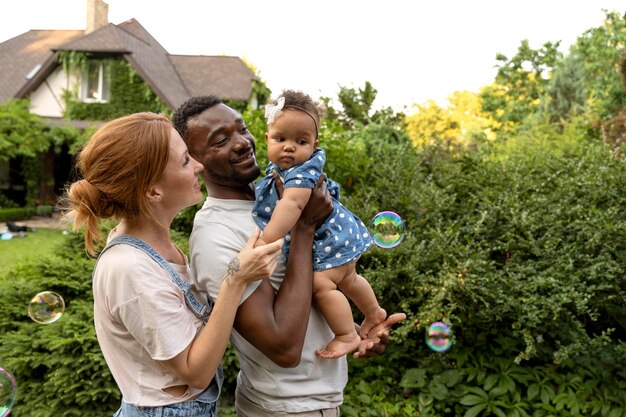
378 338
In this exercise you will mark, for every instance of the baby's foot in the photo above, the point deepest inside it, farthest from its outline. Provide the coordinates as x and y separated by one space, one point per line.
376 317
341 345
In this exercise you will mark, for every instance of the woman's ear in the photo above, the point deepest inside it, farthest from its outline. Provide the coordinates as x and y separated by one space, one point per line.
154 194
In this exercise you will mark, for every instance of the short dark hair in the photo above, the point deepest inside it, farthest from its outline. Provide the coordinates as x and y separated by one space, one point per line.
191 108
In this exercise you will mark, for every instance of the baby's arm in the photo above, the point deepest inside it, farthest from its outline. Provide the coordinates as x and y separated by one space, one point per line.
286 213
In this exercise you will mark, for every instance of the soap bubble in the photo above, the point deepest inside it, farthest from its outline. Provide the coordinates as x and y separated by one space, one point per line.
6 236
46 307
439 337
388 229
8 390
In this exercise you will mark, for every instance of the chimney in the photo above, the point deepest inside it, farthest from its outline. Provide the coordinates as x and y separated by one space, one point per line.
97 15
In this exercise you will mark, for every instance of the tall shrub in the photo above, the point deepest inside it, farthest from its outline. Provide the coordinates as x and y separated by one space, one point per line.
520 248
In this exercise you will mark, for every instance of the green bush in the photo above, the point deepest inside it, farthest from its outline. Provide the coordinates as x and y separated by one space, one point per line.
520 248
59 368
14 214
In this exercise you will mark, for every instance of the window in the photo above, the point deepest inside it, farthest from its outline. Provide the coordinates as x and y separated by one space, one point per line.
95 85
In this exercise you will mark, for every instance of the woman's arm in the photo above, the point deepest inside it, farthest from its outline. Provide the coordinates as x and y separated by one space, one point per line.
197 364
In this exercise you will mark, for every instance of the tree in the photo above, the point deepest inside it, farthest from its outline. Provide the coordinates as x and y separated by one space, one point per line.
20 131
520 83
566 92
461 123
600 50
357 108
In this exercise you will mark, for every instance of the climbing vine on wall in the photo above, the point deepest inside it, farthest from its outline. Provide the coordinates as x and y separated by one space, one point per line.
128 92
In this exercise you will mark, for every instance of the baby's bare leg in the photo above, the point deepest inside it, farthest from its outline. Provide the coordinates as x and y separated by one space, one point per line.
337 312
357 289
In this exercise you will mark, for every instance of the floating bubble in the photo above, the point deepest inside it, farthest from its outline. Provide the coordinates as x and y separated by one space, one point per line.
46 307
388 229
8 390
439 337
6 236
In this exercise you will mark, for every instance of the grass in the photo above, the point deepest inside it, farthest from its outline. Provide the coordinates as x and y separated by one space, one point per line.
36 244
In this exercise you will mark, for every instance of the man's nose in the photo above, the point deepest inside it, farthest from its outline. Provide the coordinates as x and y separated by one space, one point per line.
241 142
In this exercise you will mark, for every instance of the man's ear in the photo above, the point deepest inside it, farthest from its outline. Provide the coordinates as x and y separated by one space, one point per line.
266 136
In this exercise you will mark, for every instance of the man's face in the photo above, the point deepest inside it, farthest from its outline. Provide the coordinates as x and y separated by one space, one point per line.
219 139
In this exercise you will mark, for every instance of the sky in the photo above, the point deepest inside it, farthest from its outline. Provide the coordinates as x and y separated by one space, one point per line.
411 51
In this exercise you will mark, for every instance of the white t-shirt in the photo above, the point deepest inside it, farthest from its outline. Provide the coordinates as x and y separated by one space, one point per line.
221 229
141 318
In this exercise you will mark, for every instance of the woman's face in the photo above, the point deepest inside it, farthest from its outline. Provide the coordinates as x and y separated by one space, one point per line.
179 186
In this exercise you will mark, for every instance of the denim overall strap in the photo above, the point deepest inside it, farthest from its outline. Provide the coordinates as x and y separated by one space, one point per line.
197 307
212 393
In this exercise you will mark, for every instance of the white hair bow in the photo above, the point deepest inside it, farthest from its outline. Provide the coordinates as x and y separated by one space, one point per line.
271 111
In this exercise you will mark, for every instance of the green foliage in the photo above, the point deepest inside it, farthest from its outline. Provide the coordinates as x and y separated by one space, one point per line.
566 91
357 104
26 137
58 364
600 49
520 247
357 108
260 91
19 213
128 94
520 83
6 203
20 131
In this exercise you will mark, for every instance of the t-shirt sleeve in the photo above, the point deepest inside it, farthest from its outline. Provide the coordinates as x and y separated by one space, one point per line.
304 175
212 247
160 323
150 306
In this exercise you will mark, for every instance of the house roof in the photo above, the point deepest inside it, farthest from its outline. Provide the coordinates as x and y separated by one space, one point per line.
20 55
173 78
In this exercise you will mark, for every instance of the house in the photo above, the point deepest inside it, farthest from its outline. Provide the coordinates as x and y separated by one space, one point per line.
69 77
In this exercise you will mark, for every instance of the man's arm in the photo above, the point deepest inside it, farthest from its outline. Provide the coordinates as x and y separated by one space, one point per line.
276 322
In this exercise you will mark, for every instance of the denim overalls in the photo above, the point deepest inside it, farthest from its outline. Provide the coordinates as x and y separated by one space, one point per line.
206 404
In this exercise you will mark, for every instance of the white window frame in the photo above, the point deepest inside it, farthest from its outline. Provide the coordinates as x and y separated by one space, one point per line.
101 83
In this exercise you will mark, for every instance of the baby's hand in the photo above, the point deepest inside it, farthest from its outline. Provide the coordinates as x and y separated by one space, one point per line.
279 183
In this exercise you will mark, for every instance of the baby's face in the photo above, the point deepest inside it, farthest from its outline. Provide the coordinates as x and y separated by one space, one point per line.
291 138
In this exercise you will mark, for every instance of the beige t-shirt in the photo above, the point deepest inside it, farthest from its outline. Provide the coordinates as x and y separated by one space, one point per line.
221 229
141 318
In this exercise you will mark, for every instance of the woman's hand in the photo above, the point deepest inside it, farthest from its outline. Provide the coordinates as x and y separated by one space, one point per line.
253 263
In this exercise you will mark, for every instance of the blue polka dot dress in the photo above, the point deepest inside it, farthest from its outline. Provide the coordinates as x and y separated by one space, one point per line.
341 239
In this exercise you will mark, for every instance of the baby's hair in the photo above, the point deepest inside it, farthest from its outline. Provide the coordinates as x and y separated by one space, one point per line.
300 100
